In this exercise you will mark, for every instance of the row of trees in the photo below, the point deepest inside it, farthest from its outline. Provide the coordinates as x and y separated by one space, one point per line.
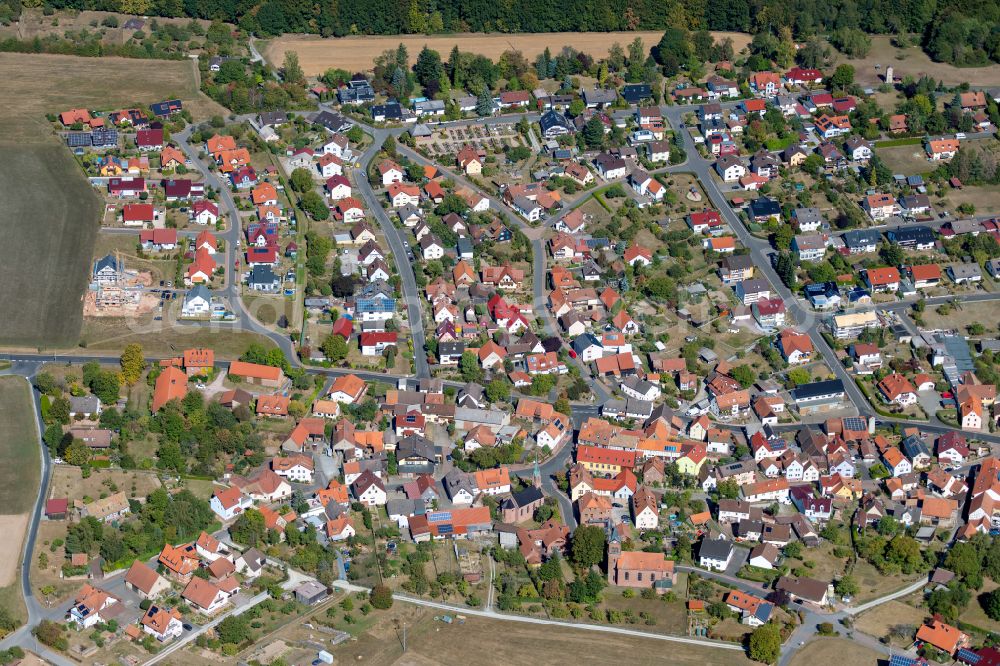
959 32
163 518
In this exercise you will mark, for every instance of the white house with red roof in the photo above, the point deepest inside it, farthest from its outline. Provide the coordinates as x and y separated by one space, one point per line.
204 212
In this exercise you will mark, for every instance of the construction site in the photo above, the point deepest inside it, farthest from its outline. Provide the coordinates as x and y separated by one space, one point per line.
115 291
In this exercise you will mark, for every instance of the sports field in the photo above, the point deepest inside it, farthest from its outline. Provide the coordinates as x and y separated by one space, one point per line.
357 53
51 212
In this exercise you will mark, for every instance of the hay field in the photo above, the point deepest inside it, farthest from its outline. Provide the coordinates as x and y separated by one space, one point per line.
51 218
357 53
915 62
36 84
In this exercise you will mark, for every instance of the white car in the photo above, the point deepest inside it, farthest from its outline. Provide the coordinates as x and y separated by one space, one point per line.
960 135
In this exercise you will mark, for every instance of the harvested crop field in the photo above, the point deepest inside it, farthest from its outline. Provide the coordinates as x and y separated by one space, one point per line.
52 221
914 62
357 53
10 548
52 212
37 84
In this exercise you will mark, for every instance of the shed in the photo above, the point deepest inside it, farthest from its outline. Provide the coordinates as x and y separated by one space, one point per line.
310 592
56 508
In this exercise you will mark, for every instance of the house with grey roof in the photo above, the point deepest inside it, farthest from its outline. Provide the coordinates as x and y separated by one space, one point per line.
715 554
84 406
595 98
965 273
808 219
461 487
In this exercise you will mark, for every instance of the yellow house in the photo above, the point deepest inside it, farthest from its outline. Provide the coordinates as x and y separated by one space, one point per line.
692 459
111 167
604 461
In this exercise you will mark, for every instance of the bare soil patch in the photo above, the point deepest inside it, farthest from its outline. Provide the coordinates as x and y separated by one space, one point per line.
10 548
357 53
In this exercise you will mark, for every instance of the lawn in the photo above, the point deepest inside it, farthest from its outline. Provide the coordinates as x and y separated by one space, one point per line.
268 309
68 482
19 446
880 619
907 160
161 338
956 319
873 584
37 84
826 565
986 198
834 651
125 246
974 613
671 616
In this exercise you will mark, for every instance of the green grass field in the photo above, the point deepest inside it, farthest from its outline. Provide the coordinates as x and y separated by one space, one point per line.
18 446
19 479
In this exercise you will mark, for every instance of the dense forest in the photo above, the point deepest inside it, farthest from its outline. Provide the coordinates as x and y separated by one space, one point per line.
963 32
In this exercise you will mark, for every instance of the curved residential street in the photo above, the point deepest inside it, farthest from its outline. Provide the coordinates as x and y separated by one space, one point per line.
27 364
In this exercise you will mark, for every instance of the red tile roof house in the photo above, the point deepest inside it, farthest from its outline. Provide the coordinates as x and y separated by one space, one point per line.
254 373
126 187
157 240
139 214
640 569
897 389
205 596
149 139
145 582
882 279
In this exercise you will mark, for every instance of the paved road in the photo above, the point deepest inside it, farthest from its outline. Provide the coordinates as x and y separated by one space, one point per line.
759 250
538 254
190 636
234 231
909 589
557 464
411 295
35 611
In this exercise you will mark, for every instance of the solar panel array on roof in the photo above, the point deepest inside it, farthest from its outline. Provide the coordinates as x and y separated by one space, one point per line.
77 139
901 660
968 656
103 138
855 423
